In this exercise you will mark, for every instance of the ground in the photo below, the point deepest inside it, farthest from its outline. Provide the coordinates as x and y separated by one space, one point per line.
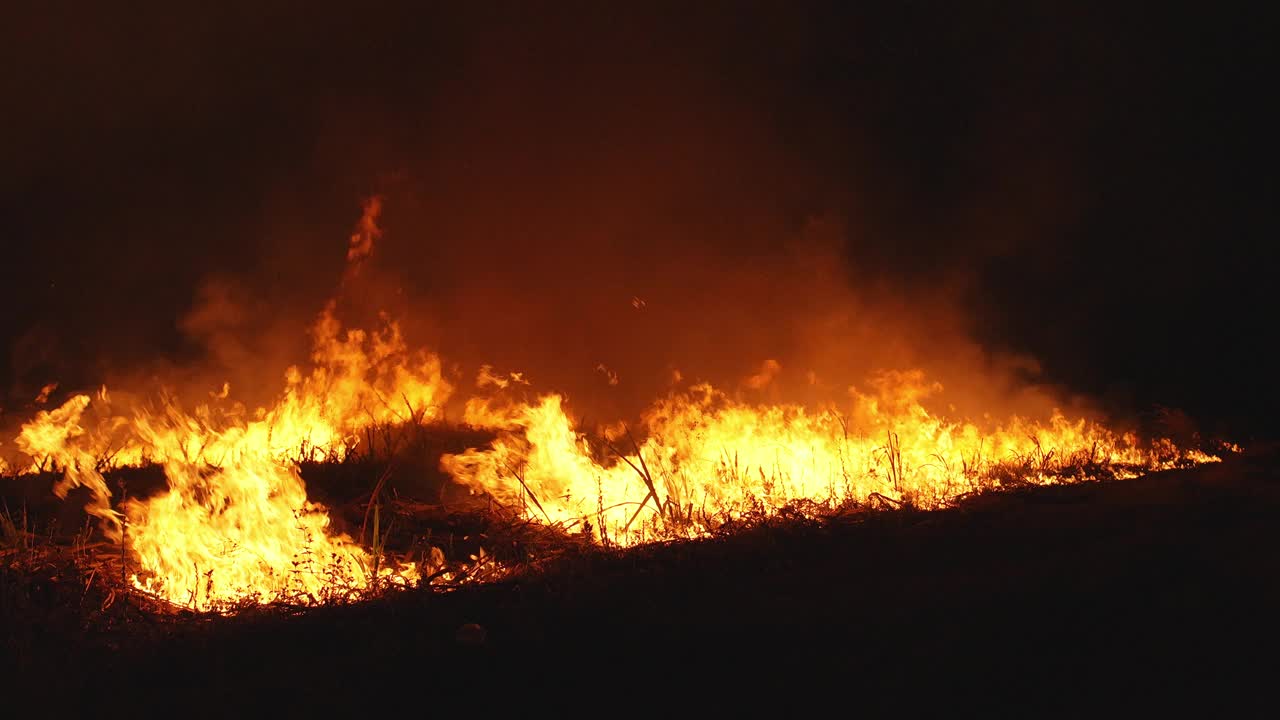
1141 592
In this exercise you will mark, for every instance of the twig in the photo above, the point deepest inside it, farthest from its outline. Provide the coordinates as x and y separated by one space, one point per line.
527 489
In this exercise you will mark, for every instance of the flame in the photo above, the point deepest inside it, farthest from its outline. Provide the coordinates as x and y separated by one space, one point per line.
700 458
235 524
486 377
54 437
367 231
43 397
609 374
761 379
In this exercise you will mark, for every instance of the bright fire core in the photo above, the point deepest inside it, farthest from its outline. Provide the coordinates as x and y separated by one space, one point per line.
236 526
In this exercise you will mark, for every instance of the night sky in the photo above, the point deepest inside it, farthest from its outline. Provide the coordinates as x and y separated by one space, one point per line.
1085 186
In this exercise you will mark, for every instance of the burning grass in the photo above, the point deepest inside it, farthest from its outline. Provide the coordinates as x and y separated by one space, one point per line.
225 519
206 508
1022 589
389 497
233 521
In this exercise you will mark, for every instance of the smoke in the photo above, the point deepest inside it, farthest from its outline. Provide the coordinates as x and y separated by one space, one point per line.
599 199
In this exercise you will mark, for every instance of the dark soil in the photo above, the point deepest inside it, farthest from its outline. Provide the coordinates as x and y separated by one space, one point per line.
1096 597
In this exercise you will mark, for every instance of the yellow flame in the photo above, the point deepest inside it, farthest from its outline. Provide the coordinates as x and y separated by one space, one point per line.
238 528
700 458
56 438
236 524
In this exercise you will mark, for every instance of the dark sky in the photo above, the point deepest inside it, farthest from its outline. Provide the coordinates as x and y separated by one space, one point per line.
1087 186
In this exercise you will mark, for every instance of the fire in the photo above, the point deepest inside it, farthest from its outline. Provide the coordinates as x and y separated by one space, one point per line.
43 397
236 522
705 458
58 438
236 525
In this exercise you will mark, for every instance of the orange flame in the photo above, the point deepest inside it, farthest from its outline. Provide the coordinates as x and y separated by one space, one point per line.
43 397
361 243
236 522
236 525
705 458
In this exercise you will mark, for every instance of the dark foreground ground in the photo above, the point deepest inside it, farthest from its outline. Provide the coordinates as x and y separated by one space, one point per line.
1099 598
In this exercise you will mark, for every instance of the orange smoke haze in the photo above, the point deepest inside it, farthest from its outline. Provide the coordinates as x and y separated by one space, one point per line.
992 169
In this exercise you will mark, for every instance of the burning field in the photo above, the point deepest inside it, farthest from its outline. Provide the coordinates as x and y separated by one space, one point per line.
874 355
235 523
354 488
